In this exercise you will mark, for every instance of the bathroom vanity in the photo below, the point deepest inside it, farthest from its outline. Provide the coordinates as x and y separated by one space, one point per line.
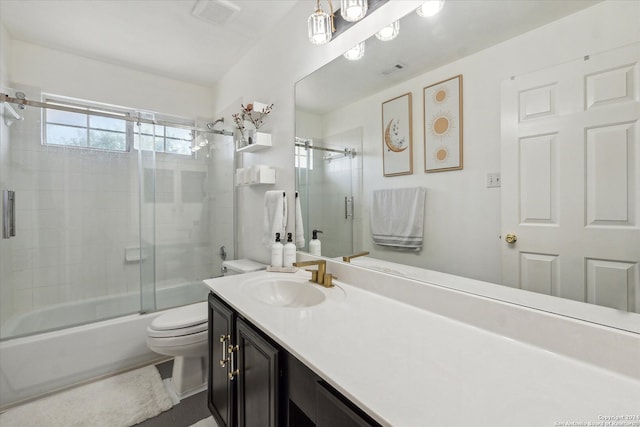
255 382
384 350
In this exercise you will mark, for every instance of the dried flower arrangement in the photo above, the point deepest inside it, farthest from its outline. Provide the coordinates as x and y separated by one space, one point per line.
250 115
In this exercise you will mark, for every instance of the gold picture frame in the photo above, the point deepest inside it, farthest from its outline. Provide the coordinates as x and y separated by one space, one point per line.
397 136
442 108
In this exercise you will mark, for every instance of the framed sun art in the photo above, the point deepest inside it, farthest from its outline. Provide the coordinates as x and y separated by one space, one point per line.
443 125
397 139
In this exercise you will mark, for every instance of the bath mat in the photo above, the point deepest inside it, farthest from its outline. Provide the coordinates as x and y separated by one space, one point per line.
119 401
207 422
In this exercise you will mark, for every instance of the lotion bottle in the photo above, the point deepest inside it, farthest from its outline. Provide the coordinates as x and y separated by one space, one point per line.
314 244
289 252
276 252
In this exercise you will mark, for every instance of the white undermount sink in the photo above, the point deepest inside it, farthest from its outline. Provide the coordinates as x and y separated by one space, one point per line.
284 292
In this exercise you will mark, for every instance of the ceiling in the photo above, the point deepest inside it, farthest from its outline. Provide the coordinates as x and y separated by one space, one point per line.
462 28
200 40
158 36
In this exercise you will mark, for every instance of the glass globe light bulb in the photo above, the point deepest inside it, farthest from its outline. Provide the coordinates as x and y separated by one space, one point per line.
355 53
353 10
389 32
430 8
320 28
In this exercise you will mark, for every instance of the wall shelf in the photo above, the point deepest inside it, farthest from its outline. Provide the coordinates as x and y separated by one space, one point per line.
259 142
255 175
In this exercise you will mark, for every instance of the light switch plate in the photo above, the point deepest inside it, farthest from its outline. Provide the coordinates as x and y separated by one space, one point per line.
493 180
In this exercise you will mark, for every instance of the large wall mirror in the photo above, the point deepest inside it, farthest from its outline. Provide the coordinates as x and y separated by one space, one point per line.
551 150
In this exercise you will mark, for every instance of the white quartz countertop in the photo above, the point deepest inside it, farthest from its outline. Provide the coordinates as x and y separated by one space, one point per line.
407 366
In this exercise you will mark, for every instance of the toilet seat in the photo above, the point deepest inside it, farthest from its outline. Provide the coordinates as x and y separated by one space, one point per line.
182 317
181 322
178 332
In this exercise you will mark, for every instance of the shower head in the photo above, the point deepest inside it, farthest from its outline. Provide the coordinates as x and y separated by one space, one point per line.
211 125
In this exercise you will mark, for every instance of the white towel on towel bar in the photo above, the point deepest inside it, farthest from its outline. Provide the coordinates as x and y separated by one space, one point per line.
299 224
397 217
275 217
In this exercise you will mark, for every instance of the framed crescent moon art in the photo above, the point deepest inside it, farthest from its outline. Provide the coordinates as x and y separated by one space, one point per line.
443 125
397 139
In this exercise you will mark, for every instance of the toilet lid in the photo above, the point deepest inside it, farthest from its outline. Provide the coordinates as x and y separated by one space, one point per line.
183 317
193 331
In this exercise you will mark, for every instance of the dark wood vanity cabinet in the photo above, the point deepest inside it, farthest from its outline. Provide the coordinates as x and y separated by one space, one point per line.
221 391
255 383
244 371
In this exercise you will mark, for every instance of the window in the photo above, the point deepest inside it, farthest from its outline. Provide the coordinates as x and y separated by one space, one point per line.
69 129
74 129
164 139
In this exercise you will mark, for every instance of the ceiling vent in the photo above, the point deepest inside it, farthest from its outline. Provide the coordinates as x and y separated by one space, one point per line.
396 67
216 12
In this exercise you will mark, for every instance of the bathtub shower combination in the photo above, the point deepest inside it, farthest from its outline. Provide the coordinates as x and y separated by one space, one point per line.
97 242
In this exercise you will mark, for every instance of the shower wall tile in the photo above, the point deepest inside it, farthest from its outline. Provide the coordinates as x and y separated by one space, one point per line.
46 276
45 296
22 279
23 300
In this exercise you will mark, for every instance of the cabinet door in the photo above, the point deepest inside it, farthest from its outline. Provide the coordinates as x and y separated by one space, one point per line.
333 410
258 379
221 391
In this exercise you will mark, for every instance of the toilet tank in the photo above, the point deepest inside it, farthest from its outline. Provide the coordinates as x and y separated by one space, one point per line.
240 266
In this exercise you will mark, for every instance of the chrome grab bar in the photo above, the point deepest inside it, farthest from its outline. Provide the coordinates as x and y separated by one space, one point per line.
348 207
8 214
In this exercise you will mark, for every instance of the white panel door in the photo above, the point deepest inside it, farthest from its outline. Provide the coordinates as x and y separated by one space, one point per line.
571 180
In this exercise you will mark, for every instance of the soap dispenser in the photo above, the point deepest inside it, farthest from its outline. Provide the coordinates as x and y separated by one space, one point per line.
289 252
314 244
276 252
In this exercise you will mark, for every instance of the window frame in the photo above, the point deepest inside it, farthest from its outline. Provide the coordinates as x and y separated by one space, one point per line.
89 107
131 132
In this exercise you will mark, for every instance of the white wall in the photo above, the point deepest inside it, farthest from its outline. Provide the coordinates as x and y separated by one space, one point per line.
452 234
71 75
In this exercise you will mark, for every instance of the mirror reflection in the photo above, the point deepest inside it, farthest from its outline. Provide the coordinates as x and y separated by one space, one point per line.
546 203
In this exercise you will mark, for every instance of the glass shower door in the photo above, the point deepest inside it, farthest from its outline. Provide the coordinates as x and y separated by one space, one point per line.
76 211
325 176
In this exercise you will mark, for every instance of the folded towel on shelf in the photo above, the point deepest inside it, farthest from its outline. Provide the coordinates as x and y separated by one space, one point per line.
299 224
397 217
275 216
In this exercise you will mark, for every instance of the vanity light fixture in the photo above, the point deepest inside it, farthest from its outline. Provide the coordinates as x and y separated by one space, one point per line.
389 32
320 25
353 10
430 8
355 53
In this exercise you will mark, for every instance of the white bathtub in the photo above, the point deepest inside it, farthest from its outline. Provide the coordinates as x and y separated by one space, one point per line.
38 364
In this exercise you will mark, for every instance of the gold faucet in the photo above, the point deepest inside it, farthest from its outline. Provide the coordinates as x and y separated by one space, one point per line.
318 276
348 258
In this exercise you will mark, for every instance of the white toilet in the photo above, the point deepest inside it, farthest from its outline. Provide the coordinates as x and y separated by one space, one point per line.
240 266
182 333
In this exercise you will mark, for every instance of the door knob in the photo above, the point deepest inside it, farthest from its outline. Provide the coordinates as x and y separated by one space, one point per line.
511 238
